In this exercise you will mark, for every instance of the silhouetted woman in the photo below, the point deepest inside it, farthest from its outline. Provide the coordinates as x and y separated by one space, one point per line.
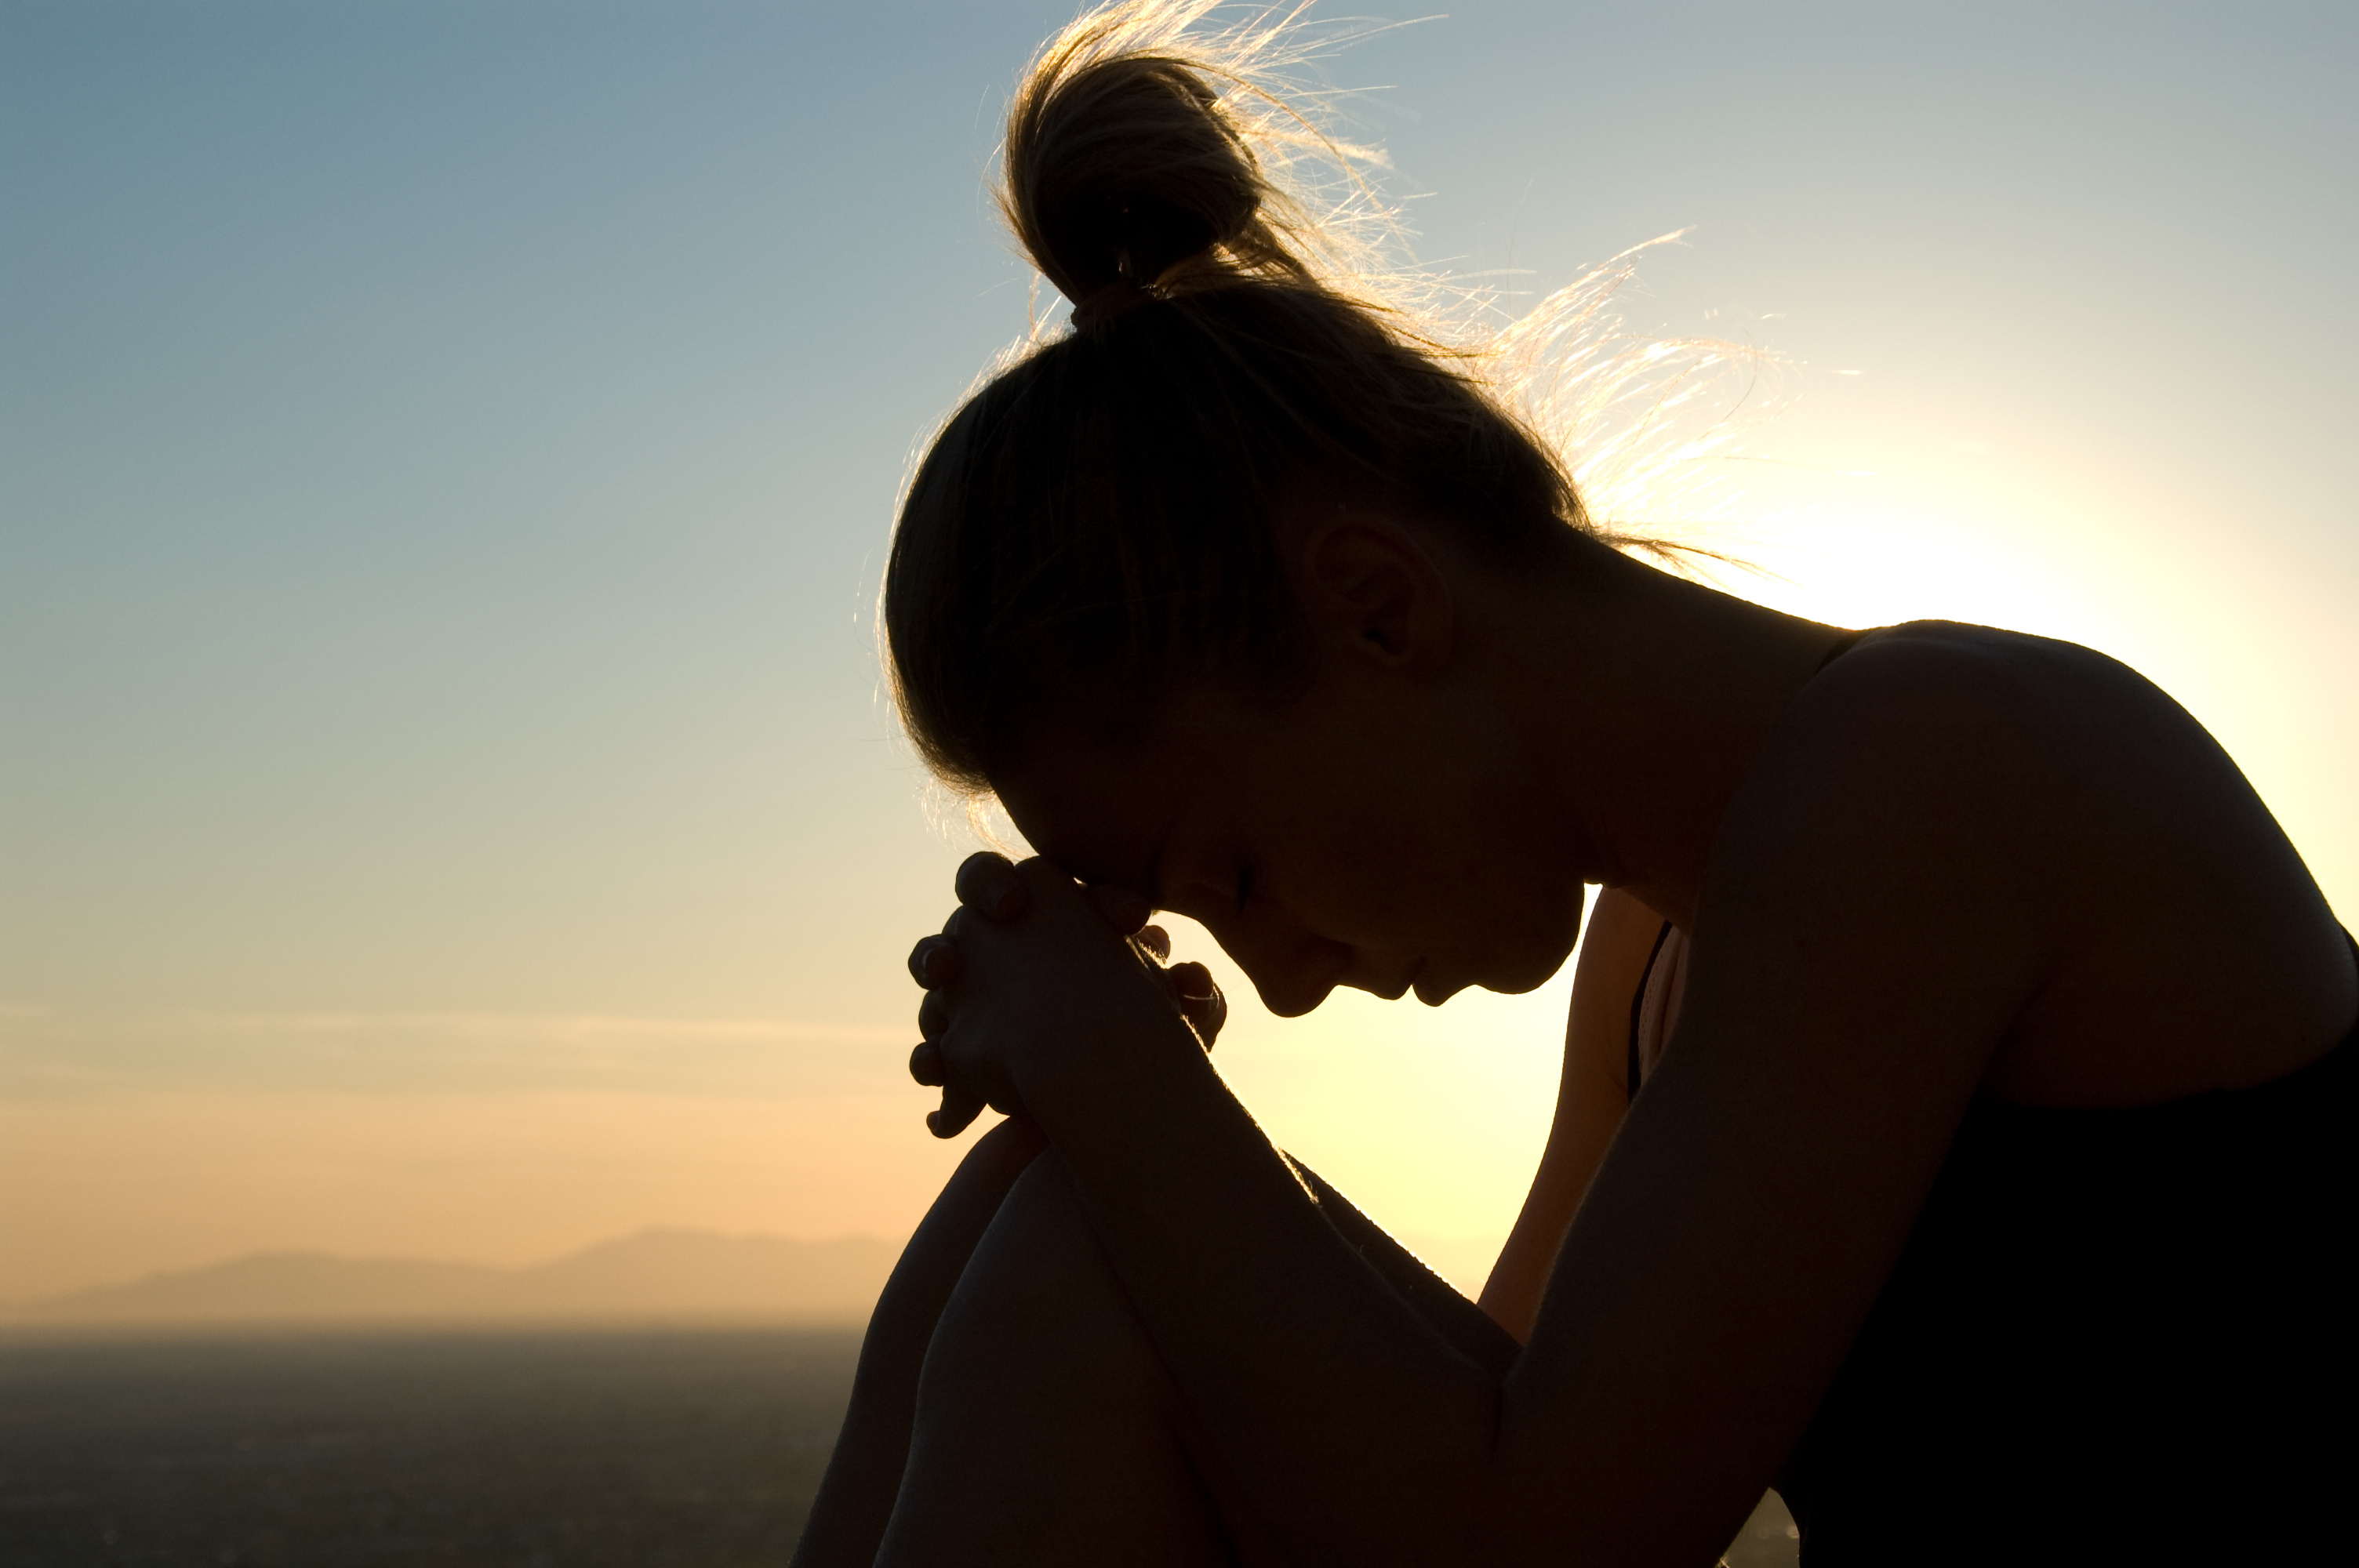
1985 1198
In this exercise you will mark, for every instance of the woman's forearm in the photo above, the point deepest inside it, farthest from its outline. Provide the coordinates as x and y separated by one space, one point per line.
864 1475
1518 1279
1353 1429
1616 947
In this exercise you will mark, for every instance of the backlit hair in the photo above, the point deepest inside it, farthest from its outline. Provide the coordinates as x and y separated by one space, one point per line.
1094 525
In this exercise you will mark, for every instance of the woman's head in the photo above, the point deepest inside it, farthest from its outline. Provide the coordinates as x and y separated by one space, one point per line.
1096 528
1395 824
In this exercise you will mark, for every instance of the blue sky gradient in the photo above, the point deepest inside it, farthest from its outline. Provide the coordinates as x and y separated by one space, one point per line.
447 453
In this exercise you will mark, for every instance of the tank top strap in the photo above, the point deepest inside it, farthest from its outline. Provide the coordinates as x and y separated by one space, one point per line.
1632 1066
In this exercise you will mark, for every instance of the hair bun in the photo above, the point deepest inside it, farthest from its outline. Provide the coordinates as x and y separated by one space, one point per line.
1123 168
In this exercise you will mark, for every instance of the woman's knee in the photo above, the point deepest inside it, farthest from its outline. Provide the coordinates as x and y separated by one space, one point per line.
1037 1300
1045 1422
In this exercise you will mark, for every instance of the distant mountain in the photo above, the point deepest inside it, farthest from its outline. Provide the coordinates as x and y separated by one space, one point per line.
662 1274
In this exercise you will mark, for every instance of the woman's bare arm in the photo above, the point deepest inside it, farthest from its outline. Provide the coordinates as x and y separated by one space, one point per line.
1590 1098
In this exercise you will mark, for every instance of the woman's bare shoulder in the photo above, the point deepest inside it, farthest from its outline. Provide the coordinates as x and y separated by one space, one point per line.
1956 671
1980 724
2034 815
1925 738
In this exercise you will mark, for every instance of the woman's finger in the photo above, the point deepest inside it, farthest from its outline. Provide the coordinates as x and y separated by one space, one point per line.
934 962
926 1066
1156 940
1206 1014
1120 907
933 1016
1192 980
987 883
1201 1002
957 1114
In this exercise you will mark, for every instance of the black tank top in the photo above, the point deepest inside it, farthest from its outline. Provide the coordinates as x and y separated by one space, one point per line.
2113 1336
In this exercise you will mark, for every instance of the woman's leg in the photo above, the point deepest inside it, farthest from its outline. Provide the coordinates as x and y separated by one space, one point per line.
864 1475
1047 1431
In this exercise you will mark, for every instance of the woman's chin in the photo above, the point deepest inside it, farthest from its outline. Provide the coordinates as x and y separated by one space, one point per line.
1506 974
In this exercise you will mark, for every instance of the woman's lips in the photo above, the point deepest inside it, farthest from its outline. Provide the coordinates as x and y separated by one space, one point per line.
1434 989
1391 989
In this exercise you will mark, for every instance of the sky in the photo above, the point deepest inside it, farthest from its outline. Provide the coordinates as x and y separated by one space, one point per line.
447 453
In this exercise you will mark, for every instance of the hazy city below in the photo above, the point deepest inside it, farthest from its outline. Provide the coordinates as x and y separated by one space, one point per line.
323 1449
669 1397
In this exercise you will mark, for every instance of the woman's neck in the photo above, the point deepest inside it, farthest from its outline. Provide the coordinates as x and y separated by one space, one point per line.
1651 696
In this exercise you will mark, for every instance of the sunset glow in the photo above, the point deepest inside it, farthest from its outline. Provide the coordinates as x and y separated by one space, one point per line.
447 457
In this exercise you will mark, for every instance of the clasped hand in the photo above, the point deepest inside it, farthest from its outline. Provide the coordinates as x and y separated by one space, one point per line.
1032 967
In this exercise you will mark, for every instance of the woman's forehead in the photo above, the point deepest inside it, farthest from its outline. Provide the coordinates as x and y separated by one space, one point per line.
1104 807
1103 818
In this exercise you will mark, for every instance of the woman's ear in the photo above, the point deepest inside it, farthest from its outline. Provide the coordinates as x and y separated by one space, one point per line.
1368 586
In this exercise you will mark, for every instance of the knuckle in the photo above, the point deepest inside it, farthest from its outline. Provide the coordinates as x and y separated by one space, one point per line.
981 874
